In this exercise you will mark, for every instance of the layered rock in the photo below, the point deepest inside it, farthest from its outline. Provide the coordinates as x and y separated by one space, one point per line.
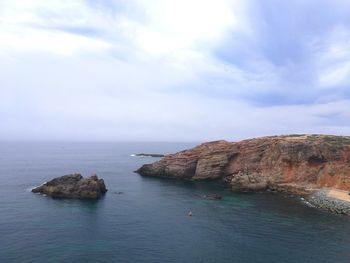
73 186
298 163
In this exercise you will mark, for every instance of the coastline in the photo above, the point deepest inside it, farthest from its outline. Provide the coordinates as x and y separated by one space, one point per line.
331 199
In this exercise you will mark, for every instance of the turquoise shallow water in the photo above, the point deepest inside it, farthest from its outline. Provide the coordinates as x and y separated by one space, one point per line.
148 222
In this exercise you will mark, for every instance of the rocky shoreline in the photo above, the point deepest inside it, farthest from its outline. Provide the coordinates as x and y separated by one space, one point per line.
321 200
304 165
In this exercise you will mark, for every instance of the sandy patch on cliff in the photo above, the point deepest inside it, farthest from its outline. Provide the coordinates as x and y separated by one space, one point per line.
296 138
339 194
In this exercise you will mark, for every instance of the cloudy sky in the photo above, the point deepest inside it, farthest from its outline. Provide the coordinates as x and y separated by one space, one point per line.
173 70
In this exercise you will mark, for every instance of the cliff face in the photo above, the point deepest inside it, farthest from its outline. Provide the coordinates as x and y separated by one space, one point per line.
287 163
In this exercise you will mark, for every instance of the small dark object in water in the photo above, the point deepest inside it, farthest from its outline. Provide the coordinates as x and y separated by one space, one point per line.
118 193
213 197
150 155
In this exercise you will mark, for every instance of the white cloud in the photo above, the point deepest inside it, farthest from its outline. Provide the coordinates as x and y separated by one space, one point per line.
167 26
335 75
178 34
176 25
334 58
36 26
55 42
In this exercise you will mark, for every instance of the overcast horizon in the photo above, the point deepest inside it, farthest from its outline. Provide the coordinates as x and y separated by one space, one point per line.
166 70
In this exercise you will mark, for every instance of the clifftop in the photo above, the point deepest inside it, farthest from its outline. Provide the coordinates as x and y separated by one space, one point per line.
291 162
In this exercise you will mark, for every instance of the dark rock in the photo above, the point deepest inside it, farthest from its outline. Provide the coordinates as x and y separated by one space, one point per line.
150 155
73 186
213 197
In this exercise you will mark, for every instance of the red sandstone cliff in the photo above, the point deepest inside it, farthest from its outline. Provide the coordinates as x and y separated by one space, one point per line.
295 162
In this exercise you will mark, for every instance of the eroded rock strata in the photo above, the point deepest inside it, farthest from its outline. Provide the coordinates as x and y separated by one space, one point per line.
73 186
296 163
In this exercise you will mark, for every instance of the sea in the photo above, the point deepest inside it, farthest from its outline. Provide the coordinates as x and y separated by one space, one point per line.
144 219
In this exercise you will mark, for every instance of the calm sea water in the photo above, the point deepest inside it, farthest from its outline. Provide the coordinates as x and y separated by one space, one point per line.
148 222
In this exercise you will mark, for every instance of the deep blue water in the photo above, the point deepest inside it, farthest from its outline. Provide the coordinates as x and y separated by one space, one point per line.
148 222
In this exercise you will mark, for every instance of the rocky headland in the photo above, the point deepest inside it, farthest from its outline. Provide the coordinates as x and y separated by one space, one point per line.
73 186
305 165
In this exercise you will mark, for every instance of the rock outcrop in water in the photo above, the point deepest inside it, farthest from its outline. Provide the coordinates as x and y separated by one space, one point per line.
73 186
294 163
156 155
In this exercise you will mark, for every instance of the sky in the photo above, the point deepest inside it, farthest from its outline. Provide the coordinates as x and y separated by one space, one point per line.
173 70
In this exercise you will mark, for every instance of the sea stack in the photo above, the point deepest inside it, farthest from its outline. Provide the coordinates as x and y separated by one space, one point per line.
73 186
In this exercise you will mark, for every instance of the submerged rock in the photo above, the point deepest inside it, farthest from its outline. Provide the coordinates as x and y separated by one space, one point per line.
73 186
213 197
